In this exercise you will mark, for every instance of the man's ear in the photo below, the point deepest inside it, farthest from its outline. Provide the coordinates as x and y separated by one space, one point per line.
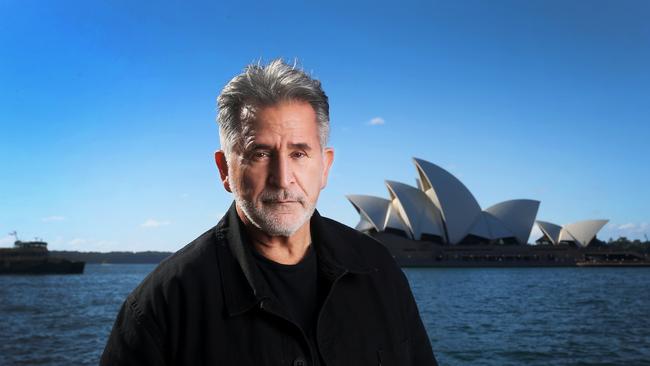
222 164
328 159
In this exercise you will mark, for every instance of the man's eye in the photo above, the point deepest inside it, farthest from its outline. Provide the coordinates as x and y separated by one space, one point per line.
257 155
298 154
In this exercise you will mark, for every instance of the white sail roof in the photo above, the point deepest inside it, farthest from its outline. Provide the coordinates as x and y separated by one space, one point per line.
584 231
364 225
518 216
442 206
565 236
489 227
456 204
581 232
372 209
416 209
480 227
550 230
395 220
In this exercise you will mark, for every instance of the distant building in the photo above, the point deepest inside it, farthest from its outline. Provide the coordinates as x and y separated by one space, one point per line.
580 233
442 210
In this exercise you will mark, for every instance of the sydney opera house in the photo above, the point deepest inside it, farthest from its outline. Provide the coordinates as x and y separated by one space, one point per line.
440 221
581 233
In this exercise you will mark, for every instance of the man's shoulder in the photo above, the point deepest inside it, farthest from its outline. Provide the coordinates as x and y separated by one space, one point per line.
188 265
352 236
363 245
181 281
197 253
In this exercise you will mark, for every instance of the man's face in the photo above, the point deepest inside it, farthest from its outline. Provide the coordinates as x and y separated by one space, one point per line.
278 174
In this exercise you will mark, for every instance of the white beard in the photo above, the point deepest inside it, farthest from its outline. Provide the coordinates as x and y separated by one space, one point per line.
264 217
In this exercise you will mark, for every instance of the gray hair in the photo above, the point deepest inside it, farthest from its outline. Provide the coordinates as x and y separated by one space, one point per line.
265 85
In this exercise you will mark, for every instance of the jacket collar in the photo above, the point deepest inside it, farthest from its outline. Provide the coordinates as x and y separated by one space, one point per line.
243 284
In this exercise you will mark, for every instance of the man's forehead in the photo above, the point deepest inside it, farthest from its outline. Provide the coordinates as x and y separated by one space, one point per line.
293 123
261 139
291 129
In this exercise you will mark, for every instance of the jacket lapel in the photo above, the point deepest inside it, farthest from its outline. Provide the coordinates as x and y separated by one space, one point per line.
243 284
335 249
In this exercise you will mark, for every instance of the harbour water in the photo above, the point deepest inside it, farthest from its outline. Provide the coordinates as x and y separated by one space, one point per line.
497 316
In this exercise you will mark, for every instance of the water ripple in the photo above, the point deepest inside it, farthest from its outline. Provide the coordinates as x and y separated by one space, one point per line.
516 316
536 316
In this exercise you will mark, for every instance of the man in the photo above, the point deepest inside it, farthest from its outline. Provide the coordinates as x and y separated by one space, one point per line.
274 283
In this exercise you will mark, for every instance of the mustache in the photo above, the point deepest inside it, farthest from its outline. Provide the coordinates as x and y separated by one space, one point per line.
281 195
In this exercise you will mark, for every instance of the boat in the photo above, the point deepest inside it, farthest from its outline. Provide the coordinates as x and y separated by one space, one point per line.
33 257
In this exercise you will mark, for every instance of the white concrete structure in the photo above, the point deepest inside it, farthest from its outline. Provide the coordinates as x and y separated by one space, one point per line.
518 216
393 219
550 230
419 214
372 210
458 207
581 233
442 207
489 227
509 219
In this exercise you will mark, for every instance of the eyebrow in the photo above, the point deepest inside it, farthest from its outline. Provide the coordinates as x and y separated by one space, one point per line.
297 146
300 146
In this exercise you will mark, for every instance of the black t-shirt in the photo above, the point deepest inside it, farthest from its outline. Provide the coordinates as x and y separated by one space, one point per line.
295 286
300 290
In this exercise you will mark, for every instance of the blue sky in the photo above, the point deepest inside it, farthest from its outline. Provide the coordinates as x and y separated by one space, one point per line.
107 109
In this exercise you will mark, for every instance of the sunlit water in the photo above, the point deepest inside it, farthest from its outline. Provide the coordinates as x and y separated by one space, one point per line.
525 316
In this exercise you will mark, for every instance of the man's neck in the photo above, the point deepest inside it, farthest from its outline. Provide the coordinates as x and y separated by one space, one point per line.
281 249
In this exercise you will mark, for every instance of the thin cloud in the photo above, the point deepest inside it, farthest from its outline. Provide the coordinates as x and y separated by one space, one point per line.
83 244
152 223
77 241
377 121
627 226
53 218
104 245
7 240
57 241
632 230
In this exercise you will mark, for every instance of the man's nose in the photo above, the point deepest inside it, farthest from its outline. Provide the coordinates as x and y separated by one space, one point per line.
281 175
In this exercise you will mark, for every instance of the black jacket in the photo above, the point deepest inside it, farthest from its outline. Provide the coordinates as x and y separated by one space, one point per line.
208 304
